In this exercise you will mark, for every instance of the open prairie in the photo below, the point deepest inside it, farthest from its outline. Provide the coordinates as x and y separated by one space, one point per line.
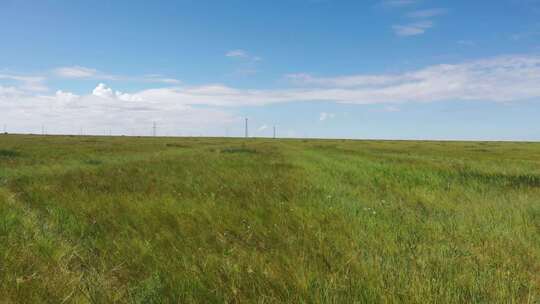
214 220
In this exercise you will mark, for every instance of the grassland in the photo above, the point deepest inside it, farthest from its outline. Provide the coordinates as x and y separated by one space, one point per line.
201 220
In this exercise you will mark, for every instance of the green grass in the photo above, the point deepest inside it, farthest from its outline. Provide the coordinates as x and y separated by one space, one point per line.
201 220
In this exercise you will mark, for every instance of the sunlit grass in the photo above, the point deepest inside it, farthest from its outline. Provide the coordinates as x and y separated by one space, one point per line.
152 220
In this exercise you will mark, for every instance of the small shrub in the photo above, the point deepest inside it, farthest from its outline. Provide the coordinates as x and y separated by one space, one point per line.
238 150
93 162
4 153
176 145
480 150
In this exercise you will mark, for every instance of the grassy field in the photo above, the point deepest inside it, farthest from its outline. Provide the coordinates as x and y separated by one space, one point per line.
201 220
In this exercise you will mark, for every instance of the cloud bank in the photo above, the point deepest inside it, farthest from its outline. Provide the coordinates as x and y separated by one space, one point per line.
500 79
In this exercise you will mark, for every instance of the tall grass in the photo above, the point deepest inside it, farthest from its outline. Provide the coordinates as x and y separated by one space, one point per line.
160 220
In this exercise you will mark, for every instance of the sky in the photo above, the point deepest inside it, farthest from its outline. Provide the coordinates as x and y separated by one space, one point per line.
380 69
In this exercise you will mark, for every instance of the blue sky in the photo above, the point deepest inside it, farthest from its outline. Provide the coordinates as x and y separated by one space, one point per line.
394 69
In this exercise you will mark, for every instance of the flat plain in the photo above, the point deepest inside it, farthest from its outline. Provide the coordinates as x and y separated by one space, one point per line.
213 220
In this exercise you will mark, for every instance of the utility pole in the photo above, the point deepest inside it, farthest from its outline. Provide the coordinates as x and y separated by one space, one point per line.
154 129
247 134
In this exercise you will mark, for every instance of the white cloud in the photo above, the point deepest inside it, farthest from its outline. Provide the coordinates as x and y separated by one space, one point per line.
27 83
127 97
9 91
103 91
427 13
79 72
343 81
66 96
412 29
391 109
242 54
76 72
237 53
325 116
160 79
247 61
